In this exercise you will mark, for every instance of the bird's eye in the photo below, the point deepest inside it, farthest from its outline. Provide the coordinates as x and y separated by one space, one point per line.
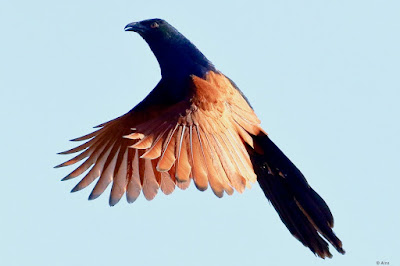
154 25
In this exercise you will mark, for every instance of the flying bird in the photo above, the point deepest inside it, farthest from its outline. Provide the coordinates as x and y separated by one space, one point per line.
197 125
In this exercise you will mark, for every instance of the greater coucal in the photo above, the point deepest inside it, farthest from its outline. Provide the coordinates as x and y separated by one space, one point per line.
197 124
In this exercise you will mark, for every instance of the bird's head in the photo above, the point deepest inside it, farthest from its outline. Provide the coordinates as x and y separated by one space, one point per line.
153 29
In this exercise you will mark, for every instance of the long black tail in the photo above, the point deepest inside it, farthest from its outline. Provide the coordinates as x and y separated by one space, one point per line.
301 209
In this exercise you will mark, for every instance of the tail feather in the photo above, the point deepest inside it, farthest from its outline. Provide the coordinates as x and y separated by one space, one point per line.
301 209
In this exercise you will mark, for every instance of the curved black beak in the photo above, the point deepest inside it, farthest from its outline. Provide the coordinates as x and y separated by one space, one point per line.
135 26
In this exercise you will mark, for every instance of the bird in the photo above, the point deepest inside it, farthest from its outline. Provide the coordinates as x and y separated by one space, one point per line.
197 126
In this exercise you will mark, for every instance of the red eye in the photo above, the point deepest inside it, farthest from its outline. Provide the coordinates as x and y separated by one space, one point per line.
154 25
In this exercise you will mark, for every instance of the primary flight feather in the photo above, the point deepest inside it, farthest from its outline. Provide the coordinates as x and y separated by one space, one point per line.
197 125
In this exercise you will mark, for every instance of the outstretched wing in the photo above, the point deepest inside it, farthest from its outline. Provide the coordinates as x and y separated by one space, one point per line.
202 138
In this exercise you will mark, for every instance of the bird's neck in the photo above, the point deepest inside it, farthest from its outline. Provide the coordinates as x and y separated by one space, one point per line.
180 58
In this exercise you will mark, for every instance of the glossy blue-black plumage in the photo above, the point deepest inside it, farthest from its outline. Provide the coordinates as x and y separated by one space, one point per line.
177 56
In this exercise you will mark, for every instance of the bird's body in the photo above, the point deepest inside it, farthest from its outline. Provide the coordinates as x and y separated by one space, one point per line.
197 125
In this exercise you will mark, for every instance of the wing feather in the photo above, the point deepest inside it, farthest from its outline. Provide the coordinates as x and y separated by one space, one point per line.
244 135
106 177
247 125
155 150
218 157
167 158
150 185
183 185
237 181
88 136
183 168
199 168
167 185
149 135
134 184
216 185
93 152
79 148
79 157
120 181
144 143
94 172
84 166
244 166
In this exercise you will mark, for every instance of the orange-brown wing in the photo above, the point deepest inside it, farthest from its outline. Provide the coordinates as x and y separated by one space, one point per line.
113 160
202 139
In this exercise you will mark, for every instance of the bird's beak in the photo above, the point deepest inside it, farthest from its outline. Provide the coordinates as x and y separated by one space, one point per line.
135 26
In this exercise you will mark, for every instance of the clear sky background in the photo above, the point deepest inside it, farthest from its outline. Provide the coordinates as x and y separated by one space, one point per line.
323 76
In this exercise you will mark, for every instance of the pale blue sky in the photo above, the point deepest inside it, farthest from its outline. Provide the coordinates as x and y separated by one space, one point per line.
323 76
